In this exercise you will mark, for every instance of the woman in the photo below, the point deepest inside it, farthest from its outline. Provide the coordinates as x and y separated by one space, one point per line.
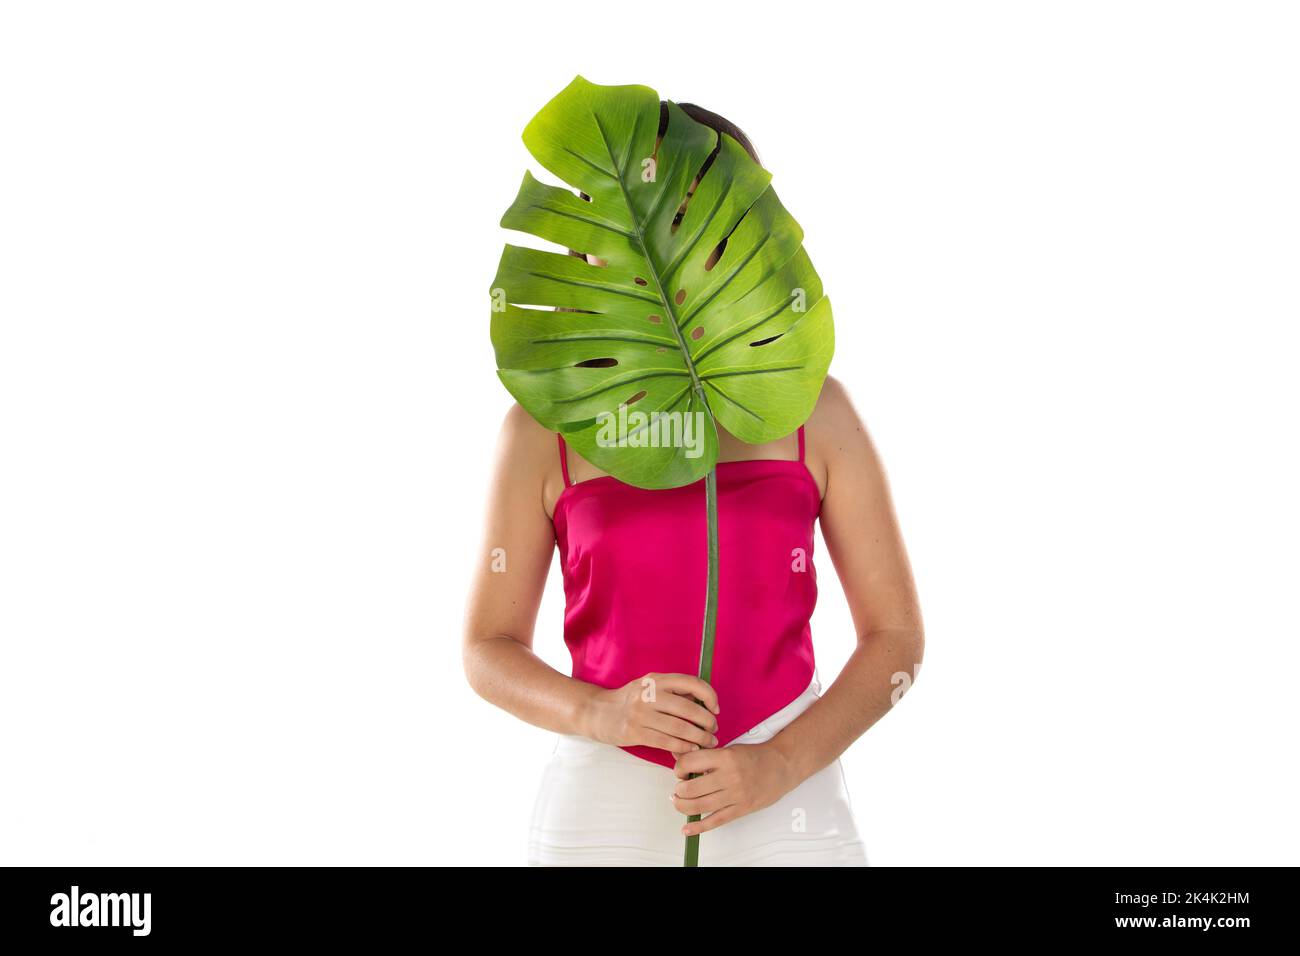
642 742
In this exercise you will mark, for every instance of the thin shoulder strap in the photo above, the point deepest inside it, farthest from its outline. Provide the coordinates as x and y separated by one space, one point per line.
801 443
564 457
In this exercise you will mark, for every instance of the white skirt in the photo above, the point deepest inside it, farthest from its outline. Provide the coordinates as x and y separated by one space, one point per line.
600 806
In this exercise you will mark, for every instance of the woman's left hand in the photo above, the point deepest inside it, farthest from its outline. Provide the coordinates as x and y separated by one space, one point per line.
735 781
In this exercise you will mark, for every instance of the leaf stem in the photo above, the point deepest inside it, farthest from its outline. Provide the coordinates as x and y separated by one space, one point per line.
692 855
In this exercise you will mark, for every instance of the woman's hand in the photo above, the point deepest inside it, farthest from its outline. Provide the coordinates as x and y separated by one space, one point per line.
735 781
658 710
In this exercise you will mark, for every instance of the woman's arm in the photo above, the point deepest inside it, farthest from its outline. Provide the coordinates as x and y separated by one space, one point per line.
511 575
865 544
863 539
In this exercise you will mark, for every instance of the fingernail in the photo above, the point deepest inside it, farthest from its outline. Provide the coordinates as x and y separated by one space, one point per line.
695 746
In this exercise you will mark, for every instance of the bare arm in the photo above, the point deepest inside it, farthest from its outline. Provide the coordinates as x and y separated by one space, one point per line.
511 574
867 548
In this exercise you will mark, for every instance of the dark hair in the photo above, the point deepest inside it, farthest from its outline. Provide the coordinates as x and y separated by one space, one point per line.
715 122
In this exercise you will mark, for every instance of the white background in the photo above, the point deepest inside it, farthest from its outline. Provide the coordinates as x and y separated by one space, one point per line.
248 402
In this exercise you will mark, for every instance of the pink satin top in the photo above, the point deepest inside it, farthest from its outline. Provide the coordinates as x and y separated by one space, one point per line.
634 562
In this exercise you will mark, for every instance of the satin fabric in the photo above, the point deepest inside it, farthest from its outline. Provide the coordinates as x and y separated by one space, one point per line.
634 564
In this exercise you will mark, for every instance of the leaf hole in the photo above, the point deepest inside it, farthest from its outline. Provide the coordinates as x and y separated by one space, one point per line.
721 247
639 281
695 184
663 127
656 319
680 297
697 333
766 341
635 398
715 255
597 363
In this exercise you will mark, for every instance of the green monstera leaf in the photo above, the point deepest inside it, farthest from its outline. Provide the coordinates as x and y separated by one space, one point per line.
707 308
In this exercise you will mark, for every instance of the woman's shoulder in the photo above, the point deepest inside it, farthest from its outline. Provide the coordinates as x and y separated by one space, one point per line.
834 414
836 434
531 454
524 438
522 430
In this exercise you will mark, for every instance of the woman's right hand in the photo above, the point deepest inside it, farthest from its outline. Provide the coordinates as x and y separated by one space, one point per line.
658 710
